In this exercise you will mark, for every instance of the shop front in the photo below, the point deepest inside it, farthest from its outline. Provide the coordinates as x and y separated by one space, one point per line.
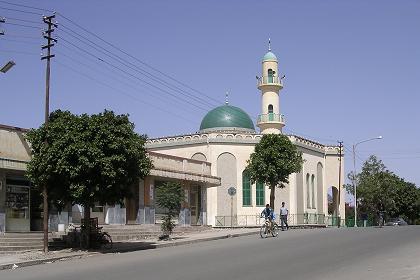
15 203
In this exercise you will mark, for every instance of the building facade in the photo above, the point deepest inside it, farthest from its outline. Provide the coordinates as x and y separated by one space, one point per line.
227 138
206 163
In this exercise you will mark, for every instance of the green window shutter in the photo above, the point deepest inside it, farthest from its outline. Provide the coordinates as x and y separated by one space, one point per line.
260 194
246 189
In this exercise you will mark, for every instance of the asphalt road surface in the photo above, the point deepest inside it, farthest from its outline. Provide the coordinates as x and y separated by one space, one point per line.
361 253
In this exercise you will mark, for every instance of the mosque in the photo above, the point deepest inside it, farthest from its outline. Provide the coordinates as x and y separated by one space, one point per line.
207 164
226 139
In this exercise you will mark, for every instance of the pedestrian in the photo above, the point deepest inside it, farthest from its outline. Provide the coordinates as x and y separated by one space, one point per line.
283 216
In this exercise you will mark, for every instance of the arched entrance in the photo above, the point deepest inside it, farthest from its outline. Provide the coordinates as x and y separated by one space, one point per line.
333 212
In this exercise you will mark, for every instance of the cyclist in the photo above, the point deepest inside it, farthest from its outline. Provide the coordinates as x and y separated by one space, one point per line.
268 214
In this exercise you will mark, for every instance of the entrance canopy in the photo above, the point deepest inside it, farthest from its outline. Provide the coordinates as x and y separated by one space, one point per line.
179 168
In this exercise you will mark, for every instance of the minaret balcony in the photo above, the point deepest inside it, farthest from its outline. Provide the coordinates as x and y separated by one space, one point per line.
271 118
269 81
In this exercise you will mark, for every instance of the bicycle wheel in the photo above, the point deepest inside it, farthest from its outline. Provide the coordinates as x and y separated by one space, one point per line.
263 231
275 230
106 241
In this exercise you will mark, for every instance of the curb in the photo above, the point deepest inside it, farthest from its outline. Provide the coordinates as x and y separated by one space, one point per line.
124 250
41 261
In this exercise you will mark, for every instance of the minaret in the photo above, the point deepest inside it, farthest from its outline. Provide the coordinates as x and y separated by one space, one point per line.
270 84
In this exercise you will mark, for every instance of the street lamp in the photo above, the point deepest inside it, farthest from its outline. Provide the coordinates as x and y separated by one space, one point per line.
354 175
7 67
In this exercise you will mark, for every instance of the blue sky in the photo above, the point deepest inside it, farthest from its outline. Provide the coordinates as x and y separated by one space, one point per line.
352 67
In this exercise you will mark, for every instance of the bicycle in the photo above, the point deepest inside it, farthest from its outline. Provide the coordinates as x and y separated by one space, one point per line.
98 238
103 239
269 227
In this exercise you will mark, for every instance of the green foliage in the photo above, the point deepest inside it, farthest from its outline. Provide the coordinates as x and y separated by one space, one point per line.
168 225
169 196
86 159
274 159
376 184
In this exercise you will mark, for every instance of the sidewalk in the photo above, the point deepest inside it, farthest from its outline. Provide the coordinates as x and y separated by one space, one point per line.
36 257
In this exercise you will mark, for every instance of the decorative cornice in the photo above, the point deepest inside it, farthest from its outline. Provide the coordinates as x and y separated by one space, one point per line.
234 138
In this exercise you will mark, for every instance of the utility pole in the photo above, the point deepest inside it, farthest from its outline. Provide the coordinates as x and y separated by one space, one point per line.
340 157
2 20
50 43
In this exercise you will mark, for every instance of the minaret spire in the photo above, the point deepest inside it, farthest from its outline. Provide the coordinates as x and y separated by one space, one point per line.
227 98
270 120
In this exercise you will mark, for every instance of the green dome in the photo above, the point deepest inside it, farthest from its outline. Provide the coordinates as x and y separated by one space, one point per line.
269 56
227 118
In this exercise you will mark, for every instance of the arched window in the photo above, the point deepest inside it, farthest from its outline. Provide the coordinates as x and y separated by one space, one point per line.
246 189
270 75
270 113
260 194
313 191
308 192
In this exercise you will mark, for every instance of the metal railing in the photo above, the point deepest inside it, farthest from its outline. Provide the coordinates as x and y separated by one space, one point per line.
270 117
292 220
270 80
256 220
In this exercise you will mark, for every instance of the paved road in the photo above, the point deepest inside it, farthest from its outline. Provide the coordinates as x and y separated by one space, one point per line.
363 253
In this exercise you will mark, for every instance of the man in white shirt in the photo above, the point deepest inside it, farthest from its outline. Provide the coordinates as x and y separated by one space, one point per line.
283 216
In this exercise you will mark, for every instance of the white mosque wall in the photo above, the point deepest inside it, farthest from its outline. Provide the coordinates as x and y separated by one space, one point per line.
331 168
310 178
320 164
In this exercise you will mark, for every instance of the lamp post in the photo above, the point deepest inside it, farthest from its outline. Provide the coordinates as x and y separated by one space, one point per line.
354 175
7 66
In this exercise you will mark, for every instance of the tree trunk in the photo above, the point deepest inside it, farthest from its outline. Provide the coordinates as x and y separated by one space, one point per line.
45 220
87 230
272 196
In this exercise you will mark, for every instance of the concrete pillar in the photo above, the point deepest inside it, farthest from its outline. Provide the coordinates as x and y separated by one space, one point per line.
149 200
184 218
2 202
140 214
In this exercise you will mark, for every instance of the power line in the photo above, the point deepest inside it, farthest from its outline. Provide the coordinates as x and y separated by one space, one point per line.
309 136
22 36
79 62
357 156
25 6
23 20
149 104
84 29
151 77
122 92
407 157
19 52
18 41
130 74
19 11
23 25
132 66
133 57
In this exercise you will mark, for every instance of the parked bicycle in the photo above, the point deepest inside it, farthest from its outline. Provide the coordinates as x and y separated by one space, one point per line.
103 239
97 237
269 227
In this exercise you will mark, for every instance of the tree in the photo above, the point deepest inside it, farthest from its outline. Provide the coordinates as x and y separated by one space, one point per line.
88 159
169 196
377 185
275 157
